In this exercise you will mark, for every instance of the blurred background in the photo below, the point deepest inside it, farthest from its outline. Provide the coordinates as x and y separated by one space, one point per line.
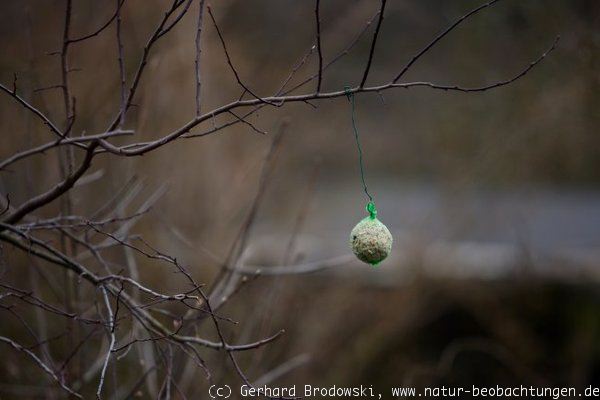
493 198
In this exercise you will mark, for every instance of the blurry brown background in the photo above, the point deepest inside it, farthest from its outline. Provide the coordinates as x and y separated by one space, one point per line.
492 197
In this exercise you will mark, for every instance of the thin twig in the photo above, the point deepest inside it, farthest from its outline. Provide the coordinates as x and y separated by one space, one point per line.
51 87
111 332
137 150
54 193
440 37
373 43
102 27
64 57
61 142
227 278
121 66
41 364
246 122
40 115
160 31
319 50
197 59
230 63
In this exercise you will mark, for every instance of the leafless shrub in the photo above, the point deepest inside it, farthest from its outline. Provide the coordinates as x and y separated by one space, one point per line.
112 299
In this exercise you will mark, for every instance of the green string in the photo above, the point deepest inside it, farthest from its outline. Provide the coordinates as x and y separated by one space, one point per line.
371 204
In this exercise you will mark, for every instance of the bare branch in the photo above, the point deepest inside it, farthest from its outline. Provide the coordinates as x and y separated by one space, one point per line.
302 61
102 27
373 43
230 63
228 276
40 115
56 257
64 56
111 332
296 68
130 150
61 142
440 37
178 18
339 56
319 51
41 364
51 87
159 32
137 150
246 122
61 188
31 299
121 66
198 53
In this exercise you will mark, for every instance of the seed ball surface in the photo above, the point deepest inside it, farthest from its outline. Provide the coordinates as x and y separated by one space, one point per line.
371 241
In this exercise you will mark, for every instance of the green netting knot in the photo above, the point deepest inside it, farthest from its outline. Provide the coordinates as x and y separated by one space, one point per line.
372 210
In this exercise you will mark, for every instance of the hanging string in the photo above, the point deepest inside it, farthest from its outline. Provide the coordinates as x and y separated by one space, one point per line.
371 204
